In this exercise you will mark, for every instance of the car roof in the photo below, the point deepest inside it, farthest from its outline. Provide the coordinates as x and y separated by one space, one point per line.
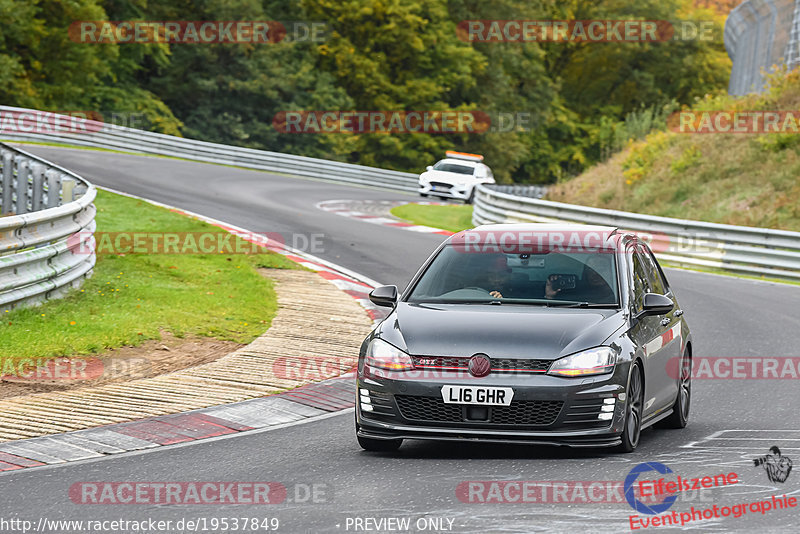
613 233
546 227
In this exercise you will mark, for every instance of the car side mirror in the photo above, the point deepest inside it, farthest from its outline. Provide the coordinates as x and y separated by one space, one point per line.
429 168
655 304
384 296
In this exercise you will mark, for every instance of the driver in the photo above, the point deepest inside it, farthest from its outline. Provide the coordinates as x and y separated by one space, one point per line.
499 277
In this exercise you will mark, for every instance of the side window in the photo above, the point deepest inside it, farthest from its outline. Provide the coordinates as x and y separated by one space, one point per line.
639 282
655 281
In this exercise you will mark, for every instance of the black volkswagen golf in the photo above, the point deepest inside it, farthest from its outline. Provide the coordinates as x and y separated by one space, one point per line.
546 334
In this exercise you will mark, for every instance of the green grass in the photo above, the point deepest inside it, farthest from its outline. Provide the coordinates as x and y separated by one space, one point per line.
132 297
453 218
741 179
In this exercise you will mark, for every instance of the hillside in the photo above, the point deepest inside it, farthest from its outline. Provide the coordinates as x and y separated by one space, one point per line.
541 109
734 178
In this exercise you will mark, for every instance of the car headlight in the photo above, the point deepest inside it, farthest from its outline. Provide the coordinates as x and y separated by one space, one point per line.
386 356
589 362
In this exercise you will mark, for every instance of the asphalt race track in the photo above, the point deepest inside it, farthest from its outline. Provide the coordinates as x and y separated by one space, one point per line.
732 421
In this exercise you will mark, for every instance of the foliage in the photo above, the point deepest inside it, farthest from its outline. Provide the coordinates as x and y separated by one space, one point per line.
582 101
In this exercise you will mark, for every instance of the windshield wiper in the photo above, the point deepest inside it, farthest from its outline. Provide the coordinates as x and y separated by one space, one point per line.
583 305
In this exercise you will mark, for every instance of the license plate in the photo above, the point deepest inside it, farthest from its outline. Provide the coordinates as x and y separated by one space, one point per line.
484 396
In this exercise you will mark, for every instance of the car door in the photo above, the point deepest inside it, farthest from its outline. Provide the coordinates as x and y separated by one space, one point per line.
643 330
671 333
663 349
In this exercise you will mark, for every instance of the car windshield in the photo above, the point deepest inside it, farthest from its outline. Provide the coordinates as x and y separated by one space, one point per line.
550 278
453 167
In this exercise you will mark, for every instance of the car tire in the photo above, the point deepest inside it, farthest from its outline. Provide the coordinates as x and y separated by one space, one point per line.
423 195
680 410
471 198
634 408
379 445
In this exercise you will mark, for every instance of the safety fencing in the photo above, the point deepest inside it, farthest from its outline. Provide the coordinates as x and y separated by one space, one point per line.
47 217
742 249
760 34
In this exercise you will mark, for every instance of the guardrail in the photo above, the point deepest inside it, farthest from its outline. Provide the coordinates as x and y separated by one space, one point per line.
747 250
33 125
742 249
46 229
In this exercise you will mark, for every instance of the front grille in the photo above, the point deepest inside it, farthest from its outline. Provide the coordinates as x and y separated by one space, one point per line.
527 413
532 366
519 413
499 365
441 185
427 409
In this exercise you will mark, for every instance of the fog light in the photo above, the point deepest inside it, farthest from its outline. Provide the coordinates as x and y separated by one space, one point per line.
366 403
605 416
621 396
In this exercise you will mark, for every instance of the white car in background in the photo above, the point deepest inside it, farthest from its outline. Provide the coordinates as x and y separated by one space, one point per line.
455 177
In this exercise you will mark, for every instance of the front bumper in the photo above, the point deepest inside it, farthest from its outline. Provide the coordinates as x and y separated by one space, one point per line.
459 192
545 409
